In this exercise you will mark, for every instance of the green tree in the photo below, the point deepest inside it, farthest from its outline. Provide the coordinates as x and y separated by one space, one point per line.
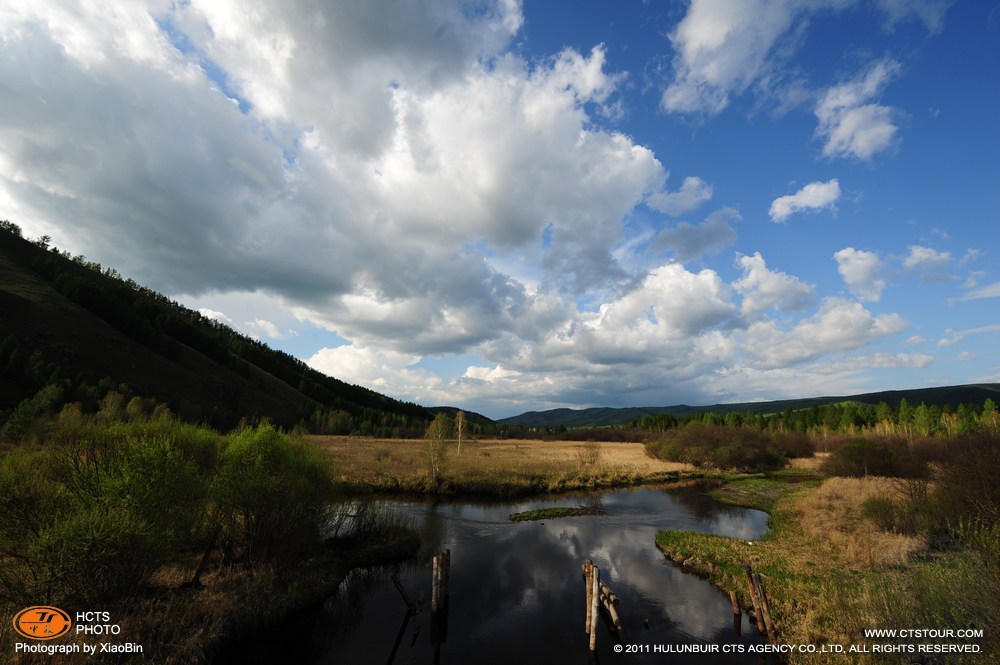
437 435
989 419
459 428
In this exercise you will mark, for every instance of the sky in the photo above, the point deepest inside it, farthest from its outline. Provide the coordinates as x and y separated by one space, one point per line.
508 206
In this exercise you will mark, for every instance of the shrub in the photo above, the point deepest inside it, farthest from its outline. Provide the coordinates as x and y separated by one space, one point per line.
860 457
720 447
271 495
91 518
793 444
95 554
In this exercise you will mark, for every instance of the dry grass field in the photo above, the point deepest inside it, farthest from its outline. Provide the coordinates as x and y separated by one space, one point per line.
492 466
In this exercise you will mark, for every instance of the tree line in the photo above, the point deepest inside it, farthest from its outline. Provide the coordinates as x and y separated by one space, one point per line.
846 418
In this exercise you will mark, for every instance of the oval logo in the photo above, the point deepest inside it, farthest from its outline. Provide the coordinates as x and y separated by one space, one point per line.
41 622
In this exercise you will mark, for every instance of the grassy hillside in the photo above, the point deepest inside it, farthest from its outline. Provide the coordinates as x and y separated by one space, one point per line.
67 321
605 416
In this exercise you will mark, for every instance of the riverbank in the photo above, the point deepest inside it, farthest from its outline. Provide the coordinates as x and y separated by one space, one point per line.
830 573
494 467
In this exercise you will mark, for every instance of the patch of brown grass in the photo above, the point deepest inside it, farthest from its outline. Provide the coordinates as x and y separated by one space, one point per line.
491 465
832 515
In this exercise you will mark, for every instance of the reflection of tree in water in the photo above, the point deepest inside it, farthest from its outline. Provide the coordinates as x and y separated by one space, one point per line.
345 609
594 502
695 498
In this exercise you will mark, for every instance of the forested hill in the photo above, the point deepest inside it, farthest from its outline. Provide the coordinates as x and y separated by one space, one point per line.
82 331
606 416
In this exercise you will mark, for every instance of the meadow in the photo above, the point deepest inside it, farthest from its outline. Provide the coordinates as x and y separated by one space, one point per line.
503 467
833 567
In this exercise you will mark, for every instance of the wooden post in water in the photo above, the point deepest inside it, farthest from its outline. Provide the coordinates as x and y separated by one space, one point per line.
445 592
606 590
768 624
594 593
609 607
758 619
436 583
588 572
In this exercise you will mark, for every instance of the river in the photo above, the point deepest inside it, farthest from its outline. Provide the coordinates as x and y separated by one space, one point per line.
517 593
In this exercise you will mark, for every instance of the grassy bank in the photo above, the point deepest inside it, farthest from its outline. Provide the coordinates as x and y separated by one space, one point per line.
497 467
830 573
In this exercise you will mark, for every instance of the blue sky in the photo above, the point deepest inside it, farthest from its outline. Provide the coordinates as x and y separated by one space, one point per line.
510 206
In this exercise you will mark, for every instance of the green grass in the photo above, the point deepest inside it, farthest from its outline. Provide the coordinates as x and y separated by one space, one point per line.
823 590
553 513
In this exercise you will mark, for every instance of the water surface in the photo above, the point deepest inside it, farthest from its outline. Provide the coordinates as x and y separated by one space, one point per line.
516 590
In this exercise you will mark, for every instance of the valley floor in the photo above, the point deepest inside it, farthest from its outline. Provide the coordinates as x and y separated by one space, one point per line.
502 467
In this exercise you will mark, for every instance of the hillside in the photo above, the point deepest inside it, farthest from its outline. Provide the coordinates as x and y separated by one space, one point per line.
66 321
605 416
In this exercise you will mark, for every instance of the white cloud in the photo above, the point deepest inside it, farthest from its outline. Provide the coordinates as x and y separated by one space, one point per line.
930 12
813 197
723 47
693 192
690 242
381 370
215 315
398 174
988 291
862 272
955 336
928 263
263 325
850 125
891 360
764 289
839 325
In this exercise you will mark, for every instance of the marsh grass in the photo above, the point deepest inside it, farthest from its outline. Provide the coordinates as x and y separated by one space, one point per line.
504 467
830 572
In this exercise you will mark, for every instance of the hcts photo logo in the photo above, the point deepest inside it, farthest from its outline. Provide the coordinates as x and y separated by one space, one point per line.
42 622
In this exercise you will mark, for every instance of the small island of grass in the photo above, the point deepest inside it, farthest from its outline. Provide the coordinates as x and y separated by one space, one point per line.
552 513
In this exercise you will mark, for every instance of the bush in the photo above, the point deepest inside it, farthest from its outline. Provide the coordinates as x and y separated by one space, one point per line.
272 496
741 449
793 444
860 457
95 554
91 518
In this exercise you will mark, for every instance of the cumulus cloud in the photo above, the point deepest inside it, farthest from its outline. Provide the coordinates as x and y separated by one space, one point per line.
380 369
723 48
862 272
839 325
689 242
765 289
397 174
693 192
813 197
345 157
849 123
930 264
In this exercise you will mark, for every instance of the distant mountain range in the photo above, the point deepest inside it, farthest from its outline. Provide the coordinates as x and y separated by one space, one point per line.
606 416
